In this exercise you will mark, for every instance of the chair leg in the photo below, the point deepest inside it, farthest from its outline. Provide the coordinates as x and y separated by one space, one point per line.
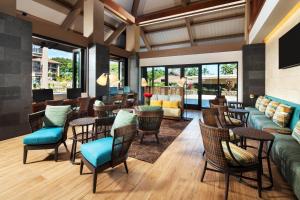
126 168
72 150
204 170
94 180
25 155
156 135
142 138
259 184
81 167
66 146
203 154
56 154
227 185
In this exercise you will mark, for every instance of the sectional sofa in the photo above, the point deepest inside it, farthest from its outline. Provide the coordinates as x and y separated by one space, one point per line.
286 149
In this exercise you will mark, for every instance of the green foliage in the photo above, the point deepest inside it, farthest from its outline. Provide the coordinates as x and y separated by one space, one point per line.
205 71
65 69
191 71
228 68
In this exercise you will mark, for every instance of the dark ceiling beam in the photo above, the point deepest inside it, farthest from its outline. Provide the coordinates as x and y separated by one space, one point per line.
63 3
188 23
135 7
119 11
116 33
187 11
207 21
200 40
145 39
73 14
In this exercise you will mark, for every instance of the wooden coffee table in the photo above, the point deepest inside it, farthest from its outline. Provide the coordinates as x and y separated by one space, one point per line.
261 136
83 136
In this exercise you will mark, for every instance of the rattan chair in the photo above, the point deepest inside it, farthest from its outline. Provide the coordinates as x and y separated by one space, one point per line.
227 119
148 123
84 103
113 149
103 126
105 110
36 123
221 155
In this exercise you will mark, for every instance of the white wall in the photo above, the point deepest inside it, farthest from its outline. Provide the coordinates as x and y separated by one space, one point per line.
282 83
230 56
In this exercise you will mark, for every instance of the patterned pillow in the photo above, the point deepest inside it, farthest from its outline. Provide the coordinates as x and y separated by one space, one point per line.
258 101
283 115
296 132
271 108
263 104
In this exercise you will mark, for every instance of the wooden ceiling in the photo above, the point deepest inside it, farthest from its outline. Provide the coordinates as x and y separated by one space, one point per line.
164 23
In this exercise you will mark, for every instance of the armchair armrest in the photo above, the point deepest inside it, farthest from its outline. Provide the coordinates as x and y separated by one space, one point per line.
36 120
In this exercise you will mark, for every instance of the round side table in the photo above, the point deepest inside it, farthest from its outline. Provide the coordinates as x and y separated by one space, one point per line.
250 133
82 136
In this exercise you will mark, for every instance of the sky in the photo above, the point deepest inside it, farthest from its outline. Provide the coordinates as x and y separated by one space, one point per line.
52 53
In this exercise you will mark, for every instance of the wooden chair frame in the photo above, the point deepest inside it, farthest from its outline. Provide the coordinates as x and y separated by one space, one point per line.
122 140
36 123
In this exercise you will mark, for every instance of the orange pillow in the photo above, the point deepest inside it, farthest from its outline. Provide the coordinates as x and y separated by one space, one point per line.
170 104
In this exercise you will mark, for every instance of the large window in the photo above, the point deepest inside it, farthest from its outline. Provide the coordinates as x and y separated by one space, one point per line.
117 71
204 81
55 68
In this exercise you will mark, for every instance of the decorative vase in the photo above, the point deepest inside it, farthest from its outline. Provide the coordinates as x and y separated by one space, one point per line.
147 101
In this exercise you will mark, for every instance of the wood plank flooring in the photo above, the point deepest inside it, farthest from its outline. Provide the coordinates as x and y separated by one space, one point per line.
175 175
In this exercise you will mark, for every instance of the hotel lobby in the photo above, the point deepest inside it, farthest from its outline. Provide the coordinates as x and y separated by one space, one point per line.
149 99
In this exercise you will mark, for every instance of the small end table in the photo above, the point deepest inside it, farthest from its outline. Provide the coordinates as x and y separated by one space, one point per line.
262 137
84 136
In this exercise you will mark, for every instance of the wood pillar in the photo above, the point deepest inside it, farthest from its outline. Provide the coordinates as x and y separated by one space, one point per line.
8 7
93 21
133 38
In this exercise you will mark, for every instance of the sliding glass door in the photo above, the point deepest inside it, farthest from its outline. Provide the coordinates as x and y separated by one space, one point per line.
209 83
192 89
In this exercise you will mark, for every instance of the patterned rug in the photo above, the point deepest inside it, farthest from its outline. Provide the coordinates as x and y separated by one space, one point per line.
149 150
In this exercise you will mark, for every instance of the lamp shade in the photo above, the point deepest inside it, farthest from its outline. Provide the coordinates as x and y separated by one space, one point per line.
144 82
103 79
182 81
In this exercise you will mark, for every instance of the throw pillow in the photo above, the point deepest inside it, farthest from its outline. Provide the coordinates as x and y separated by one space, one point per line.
155 102
271 108
263 104
99 103
170 104
258 101
123 118
56 116
282 115
296 132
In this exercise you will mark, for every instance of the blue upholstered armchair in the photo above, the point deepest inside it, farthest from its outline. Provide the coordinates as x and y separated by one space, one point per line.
49 129
111 151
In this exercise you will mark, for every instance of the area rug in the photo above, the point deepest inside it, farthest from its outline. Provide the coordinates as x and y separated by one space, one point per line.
149 151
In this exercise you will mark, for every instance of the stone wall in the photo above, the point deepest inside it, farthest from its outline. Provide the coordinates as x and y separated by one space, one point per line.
15 76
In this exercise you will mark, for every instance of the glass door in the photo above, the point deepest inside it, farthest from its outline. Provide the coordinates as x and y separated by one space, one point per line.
192 89
209 83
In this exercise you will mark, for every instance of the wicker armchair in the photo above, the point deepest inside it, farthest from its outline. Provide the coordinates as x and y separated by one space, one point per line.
36 123
226 119
112 151
84 103
103 126
105 110
149 122
226 157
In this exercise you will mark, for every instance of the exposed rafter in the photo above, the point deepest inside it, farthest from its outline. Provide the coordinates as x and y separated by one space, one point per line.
206 21
187 11
135 7
145 39
119 11
116 33
188 24
200 40
76 10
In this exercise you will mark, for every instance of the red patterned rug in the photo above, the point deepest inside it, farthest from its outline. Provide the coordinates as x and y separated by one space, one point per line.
149 150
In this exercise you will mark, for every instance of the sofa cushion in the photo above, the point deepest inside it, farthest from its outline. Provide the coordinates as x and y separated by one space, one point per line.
271 108
253 111
241 155
163 97
170 104
172 112
296 132
285 153
55 116
261 121
98 152
47 135
155 103
123 118
175 97
258 101
283 115
263 104
231 120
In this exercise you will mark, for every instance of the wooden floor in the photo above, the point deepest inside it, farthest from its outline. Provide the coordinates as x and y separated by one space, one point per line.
175 175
